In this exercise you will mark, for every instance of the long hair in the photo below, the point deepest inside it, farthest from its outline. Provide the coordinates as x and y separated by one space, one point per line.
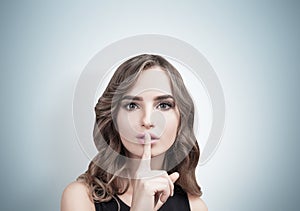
182 156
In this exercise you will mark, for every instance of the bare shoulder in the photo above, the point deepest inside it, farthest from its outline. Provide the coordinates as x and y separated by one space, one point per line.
196 203
75 197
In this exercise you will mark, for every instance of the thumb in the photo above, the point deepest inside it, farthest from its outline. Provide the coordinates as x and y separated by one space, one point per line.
174 176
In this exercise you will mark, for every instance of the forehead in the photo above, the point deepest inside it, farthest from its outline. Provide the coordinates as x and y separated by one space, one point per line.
152 79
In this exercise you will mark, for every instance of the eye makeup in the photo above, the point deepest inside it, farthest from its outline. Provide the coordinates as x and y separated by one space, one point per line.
165 105
130 106
162 105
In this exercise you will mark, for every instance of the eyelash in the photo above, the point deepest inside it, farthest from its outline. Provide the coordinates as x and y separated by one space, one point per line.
126 106
169 106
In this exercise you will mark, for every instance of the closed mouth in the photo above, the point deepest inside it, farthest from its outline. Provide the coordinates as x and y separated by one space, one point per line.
141 137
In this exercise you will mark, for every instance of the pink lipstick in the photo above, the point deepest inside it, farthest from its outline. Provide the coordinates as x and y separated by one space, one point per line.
141 138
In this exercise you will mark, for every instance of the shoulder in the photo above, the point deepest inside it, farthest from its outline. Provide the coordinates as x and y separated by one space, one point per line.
75 197
196 203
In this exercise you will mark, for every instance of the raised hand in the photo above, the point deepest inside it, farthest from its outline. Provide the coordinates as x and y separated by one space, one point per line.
152 188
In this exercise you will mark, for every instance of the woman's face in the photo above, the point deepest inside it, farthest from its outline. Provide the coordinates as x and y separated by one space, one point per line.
148 107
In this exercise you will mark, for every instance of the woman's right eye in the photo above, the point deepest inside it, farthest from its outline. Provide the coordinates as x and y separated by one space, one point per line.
131 106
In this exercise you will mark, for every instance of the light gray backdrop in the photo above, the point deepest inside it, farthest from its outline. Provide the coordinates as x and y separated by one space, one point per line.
252 45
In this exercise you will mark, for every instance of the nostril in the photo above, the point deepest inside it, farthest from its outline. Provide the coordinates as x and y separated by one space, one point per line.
148 125
147 122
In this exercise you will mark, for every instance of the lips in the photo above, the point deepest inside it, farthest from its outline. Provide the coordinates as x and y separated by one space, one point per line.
141 137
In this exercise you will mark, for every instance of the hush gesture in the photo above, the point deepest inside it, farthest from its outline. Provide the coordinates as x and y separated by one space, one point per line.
152 188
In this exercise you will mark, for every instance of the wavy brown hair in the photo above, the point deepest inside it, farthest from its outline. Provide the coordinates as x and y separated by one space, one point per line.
181 157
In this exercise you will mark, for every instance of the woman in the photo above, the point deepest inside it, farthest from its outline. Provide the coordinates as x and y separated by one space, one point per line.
147 148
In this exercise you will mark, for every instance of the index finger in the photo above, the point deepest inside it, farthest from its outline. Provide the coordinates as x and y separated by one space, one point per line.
147 147
145 164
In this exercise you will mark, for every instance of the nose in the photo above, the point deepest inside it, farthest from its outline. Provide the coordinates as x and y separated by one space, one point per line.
146 119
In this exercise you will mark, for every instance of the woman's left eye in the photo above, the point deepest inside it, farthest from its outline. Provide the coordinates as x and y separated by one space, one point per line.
165 106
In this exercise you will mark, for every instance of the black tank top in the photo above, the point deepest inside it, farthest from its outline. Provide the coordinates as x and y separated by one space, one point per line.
178 202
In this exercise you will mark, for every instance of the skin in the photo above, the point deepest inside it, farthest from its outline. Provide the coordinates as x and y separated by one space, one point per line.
148 107
144 116
76 196
154 187
149 111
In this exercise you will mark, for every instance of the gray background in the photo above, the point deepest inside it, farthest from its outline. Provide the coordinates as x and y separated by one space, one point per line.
252 45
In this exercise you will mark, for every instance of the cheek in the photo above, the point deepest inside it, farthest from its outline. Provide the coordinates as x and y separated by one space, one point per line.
172 122
170 132
127 124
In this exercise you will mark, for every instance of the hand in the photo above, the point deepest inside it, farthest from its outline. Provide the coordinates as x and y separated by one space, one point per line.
152 187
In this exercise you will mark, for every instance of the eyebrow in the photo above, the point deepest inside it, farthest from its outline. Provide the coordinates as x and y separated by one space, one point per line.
135 98
163 97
